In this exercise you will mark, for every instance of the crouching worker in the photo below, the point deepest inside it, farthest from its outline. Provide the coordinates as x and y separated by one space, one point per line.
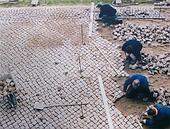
132 49
157 115
137 86
108 14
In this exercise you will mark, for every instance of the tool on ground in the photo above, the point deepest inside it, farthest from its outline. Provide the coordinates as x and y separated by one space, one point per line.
41 106
79 53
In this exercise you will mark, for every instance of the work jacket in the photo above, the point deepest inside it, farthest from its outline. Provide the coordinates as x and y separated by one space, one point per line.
144 84
107 10
162 116
136 48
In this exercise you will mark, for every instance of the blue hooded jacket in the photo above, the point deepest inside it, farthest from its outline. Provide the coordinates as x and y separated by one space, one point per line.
163 115
143 82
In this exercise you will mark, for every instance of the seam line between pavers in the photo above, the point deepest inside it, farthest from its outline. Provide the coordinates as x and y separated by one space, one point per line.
106 106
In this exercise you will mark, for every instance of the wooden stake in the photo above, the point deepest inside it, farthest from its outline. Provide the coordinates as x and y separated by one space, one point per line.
82 35
79 58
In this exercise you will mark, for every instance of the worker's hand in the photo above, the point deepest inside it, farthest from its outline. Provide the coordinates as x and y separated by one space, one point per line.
143 121
123 55
145 116
145 112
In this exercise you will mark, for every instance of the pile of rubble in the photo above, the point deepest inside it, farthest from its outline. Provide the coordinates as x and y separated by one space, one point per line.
156 64
145 34
7 85
131 12
164 96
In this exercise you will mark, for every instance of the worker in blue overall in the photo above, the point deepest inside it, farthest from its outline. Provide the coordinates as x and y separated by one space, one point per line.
132 49
108 14
137 86
157 116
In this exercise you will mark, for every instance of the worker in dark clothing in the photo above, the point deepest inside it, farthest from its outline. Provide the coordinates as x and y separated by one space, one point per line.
157 115
132 50
106 10
137 86
108 14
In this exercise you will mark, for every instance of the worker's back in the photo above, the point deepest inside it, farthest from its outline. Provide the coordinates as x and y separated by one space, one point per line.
163 111
108 10
136 46
162 120
143 81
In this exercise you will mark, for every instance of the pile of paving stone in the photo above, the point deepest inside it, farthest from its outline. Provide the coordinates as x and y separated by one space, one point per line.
7 85
145 34
156 64
131 12
164 96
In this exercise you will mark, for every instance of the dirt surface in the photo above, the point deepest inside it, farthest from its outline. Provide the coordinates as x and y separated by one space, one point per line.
106 32
166 13
132 106
156 81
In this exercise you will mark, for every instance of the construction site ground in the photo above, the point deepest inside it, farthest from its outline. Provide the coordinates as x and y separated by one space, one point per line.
156 81
53 61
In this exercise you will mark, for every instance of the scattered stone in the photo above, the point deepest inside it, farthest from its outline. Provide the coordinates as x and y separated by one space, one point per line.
145 34
164 96
156 64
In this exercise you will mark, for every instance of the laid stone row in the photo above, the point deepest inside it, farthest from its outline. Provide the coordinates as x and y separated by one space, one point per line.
145 34
139 12
28 14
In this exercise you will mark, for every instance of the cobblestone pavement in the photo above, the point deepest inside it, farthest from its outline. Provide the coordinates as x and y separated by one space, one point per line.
42 48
